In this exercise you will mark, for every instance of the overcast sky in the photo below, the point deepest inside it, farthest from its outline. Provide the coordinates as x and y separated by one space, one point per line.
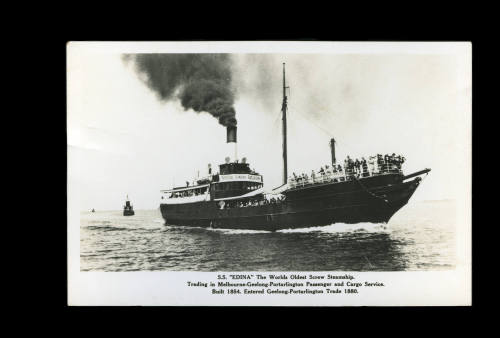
123 140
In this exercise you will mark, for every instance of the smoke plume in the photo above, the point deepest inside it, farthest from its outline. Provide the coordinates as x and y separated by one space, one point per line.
202 82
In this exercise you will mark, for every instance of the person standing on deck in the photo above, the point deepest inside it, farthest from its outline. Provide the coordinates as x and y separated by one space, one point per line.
357 166
350 165
392 160
365 167
371 164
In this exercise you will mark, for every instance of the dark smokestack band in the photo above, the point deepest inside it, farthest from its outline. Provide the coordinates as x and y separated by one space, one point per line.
231 134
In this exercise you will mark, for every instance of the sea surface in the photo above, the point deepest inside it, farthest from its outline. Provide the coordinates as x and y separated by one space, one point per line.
421 236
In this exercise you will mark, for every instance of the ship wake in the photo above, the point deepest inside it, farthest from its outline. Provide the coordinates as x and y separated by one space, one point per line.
341 228
239 231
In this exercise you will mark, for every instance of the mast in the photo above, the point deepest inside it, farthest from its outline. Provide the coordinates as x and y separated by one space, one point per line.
283 109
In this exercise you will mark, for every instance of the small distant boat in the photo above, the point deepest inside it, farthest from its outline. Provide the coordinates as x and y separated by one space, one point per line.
128 209
93 210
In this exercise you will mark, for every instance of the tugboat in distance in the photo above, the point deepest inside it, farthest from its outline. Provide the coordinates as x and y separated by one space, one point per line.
128 209
93 210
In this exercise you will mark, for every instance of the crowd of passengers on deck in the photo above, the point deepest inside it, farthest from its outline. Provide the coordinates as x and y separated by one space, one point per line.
376 165
188 193
253 202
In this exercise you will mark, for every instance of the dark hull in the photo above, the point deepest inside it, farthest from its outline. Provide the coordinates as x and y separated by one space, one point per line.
372 199
128 213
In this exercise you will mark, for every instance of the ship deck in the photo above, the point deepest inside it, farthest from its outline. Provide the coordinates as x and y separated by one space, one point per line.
371 199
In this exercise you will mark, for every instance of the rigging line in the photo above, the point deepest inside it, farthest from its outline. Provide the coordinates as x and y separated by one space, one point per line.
368 191
276 120
314 123
274 126
328 133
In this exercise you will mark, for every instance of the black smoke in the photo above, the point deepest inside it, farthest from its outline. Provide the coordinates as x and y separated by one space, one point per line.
202 82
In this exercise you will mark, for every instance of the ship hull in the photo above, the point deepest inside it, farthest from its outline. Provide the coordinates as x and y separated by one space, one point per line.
128 213
373 199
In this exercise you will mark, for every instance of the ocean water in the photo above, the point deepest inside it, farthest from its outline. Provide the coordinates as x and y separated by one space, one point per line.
421 236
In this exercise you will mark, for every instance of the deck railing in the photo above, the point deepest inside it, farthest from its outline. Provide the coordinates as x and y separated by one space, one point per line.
345 175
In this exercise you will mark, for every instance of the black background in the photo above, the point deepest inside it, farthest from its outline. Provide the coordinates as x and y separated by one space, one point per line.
46 151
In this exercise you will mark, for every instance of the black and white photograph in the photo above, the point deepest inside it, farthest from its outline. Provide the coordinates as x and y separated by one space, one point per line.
259 161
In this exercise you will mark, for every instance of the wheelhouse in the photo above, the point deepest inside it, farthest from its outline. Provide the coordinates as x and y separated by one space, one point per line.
233 180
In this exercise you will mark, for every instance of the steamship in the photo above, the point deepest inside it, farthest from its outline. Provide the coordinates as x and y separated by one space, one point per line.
234 197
